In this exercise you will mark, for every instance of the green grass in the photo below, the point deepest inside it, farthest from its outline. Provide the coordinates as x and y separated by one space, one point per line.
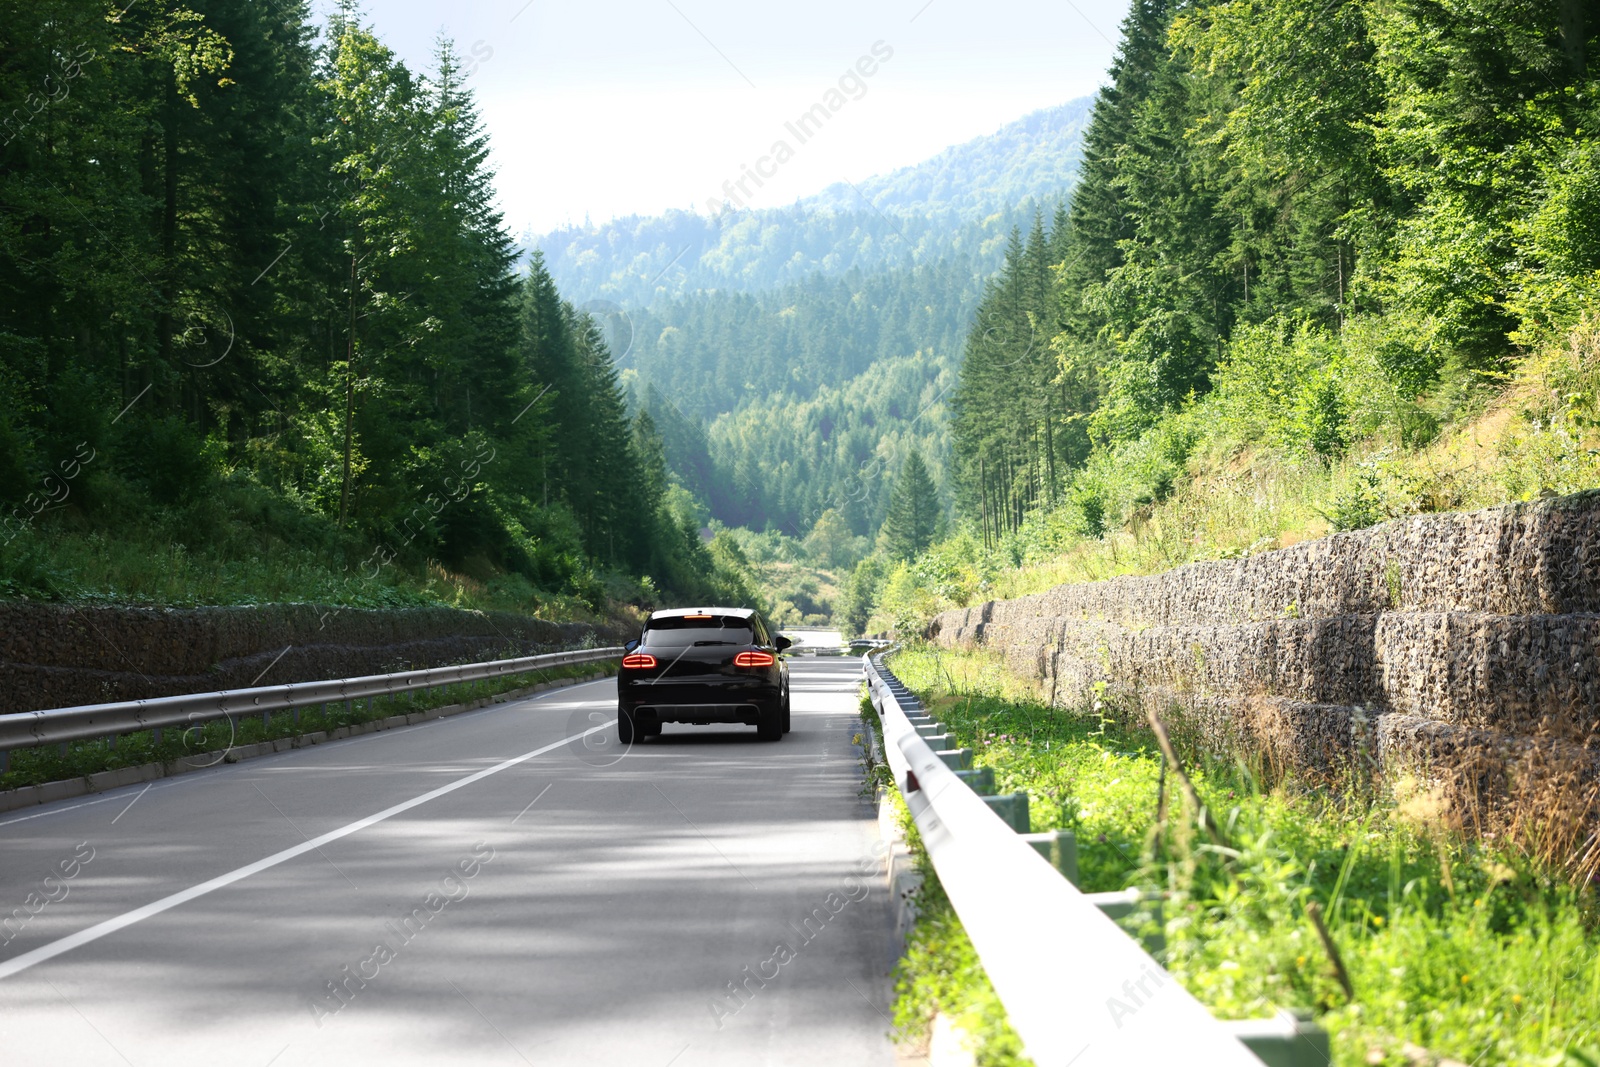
201 743
1457 948
242 544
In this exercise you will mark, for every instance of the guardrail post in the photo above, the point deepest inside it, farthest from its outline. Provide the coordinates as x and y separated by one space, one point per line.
1290 1039
1060 847
980 780
1144 907
957 759
1013 808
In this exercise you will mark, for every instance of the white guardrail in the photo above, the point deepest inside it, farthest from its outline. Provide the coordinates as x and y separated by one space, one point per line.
1077 988
30 729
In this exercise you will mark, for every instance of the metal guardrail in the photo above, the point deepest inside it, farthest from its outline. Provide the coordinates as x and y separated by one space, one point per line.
30 729
1076 987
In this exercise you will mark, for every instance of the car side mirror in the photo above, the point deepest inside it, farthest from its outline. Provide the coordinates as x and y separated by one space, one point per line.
630 646
782 643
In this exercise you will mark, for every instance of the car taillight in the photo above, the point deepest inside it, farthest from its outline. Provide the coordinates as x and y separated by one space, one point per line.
754 659
638 659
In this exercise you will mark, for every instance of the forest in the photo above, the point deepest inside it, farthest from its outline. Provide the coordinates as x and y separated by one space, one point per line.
1322 266
263 335
774 403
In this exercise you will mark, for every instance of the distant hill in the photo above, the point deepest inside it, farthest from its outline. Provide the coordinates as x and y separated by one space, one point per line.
962 202
1034 158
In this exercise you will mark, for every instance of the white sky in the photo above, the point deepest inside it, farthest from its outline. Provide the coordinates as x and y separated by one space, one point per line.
605 109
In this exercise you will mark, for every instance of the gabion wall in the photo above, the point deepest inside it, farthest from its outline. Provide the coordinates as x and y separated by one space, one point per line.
54 656
1462 644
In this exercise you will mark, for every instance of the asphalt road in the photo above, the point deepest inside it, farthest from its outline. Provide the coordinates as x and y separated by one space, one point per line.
480 889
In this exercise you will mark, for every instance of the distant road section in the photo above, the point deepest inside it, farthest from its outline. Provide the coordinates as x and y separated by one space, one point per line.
506 886
815 639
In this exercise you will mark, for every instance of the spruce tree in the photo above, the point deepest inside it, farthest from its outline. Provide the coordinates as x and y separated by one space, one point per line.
913 510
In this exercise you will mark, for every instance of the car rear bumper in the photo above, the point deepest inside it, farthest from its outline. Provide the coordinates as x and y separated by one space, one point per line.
703 714
746 702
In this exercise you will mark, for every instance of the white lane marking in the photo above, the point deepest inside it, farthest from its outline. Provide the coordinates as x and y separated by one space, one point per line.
166 903
70 807
190 779
131 803
532 802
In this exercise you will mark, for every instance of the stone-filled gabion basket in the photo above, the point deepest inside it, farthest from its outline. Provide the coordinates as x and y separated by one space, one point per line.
55 656
1460 649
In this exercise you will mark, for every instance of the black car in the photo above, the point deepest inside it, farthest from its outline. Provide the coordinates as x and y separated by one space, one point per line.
703 666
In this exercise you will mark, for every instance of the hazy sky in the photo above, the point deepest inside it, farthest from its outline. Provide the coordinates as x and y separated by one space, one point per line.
610 109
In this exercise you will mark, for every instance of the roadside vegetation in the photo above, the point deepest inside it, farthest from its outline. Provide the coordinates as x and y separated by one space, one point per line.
1458 949
1215 483
1323 266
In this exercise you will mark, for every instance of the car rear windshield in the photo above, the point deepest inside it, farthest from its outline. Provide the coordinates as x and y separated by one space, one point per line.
679 631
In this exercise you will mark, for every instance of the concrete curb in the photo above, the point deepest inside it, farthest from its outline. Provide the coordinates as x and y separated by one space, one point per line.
900 873
899 869
49 792
948 1044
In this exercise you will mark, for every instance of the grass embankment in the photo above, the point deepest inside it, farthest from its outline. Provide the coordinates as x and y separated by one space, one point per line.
1222 479
204 743
1456 949
241 543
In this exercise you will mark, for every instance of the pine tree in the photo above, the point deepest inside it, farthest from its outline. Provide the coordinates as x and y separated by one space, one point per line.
913 510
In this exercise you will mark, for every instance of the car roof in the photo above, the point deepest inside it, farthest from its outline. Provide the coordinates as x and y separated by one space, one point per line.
678 613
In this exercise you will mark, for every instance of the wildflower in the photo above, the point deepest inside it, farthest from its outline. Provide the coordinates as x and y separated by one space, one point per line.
1377 920
1516 998
1466 978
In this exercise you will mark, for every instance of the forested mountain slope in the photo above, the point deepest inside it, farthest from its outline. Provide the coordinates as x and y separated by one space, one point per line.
262 335
961 203
791 357
1322 267
1033 158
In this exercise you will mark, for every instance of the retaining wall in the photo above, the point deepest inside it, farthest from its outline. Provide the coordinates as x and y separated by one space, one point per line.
61 655
1459 642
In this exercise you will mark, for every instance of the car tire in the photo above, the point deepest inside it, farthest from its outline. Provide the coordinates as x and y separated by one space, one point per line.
785 713
625 725
770 726
649 727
